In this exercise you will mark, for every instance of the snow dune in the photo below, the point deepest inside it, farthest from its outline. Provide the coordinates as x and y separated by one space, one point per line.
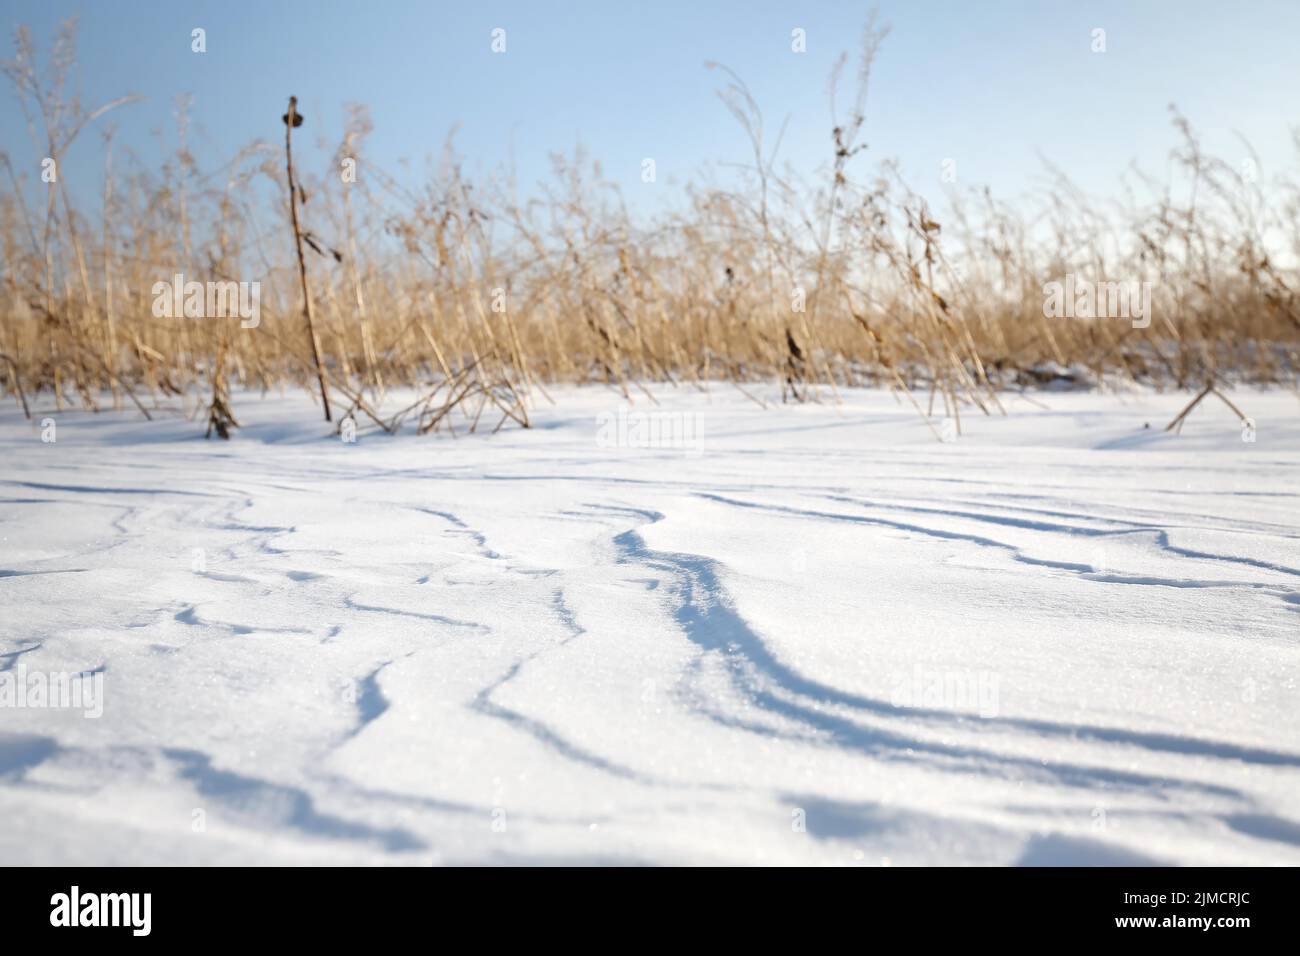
810 634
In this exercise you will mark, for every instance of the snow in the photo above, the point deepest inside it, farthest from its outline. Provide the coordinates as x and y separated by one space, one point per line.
808 634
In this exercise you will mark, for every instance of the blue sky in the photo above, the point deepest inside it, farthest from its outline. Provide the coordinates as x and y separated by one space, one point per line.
989 84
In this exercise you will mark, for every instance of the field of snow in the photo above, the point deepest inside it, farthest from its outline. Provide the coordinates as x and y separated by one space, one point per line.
809 635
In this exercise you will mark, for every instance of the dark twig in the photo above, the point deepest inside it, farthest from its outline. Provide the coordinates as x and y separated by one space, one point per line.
292 119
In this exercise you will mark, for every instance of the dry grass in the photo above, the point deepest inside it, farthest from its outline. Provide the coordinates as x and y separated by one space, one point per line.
477 300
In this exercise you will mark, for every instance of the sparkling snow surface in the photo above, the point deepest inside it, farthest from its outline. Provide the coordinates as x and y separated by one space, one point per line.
814 634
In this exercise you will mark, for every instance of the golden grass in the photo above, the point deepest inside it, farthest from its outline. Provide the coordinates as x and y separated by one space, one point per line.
478 300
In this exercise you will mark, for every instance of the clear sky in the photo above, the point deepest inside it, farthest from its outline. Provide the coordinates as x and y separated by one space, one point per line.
991 84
